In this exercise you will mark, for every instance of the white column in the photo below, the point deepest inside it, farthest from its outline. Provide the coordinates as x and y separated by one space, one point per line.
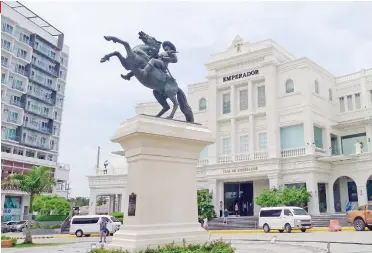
92 202
232 100
234 148
250 97
111 204
212 187
327 140
312 187
362 195
330 198
364 94
251 137
369 137
273 131
213 113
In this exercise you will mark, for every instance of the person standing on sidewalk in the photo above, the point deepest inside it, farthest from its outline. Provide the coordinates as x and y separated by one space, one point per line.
103 229
221 208
225 216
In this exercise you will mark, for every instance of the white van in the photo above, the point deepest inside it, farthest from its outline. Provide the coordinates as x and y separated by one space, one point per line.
285 218
89 224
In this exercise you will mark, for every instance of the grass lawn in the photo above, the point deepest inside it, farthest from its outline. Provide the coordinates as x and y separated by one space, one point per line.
27 245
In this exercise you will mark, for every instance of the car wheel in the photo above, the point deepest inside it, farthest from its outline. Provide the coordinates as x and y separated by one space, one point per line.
359 225
288 228
266 228
303 230
79 233
370 228
281 230
21 230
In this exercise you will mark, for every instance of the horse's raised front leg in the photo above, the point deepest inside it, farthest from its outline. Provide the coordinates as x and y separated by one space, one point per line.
121 58
124 43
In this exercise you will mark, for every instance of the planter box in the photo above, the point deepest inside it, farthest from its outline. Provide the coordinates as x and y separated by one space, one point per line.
6 243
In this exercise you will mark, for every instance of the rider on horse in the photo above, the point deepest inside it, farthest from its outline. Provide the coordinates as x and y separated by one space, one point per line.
166 57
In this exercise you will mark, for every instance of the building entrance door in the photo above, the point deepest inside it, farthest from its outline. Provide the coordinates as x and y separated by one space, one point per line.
240 193
322 196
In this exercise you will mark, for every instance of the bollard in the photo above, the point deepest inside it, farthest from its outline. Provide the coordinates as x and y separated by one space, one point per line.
328 247
273 240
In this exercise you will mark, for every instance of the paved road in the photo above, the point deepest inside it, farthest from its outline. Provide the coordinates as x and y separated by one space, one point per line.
241 242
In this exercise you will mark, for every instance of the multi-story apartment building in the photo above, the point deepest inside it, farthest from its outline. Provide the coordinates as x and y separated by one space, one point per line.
278 121
34 63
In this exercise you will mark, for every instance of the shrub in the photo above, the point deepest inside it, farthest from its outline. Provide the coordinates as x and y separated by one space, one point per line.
212 247
117 214
285 196
50 217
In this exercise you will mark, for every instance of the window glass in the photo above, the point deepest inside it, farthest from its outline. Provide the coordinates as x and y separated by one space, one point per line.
226 103
316 86
226 146
261 96
287 212
271 213
357 101
244 144
262 141
299 211
202 104
243 99
342 104
289 86
349 102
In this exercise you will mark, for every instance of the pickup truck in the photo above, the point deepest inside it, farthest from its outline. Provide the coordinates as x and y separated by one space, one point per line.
361 218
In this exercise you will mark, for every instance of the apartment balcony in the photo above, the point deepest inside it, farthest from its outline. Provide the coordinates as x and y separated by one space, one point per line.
45 67
14 85
35 142
6 29
45 50
41 96
354 117
20 71
39 79
7 48
38 111
17 103
37 126
7 137
5 64
20 55
231 158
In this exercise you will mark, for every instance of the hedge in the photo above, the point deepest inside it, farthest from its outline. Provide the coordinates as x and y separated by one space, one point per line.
50 217
213 247
117 214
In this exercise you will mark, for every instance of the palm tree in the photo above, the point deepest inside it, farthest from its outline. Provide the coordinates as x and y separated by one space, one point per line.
38 180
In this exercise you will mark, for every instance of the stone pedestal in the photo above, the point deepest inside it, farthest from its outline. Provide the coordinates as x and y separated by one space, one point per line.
162 156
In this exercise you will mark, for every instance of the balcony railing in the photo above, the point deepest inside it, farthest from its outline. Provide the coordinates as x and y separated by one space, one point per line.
38 111
7 48
45 66
292 152
42 81
45 50
35 142
20 71
16 103
6 30
5 64
9 137
41 96
20 55
14 85
37 126
260 155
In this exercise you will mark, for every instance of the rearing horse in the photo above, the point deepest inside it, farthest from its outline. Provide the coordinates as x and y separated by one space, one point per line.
163 85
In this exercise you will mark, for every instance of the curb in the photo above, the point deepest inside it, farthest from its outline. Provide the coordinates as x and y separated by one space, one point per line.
73 236
33 237
259 231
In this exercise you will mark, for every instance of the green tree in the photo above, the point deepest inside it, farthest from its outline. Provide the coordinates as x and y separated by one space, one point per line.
205 208
46 204
80 201
38 180
101 201
268 197
285 196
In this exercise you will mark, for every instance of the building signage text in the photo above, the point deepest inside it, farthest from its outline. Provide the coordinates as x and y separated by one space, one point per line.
241 75
240 170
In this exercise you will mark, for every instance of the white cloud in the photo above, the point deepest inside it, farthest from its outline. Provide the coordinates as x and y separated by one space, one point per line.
335 35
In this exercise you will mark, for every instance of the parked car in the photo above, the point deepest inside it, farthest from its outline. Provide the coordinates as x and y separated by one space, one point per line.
361 218
89 224
284 218
19 226
8 225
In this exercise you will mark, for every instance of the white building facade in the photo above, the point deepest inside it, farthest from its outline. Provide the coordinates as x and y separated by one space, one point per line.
34 63
282 121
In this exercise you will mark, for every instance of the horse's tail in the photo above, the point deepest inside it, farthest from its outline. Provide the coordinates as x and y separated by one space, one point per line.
184 106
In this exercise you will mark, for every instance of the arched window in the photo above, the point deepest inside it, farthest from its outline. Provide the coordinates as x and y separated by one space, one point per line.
202 104
316 86
330 94
289 86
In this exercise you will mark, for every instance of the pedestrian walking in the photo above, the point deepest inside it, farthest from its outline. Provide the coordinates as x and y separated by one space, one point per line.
225 216
103 229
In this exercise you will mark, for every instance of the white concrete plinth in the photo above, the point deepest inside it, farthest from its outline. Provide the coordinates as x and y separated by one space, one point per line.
162 156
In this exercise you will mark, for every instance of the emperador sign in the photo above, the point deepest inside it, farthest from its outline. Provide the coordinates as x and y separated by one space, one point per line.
241 75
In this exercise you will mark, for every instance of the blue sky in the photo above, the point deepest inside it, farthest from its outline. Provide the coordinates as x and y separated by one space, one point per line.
336 35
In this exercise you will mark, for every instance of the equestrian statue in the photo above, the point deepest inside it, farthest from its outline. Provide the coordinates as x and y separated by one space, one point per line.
151 69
